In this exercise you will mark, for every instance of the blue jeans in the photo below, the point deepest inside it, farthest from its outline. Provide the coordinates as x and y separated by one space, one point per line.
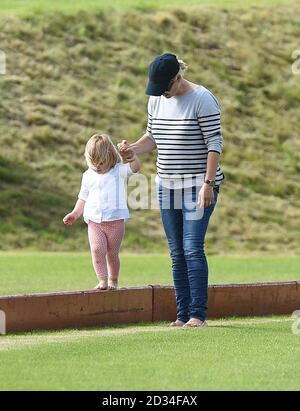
185 225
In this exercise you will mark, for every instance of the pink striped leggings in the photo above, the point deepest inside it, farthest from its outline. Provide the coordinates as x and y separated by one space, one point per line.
105 241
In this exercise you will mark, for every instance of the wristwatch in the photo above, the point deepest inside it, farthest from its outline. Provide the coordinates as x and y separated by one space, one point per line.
211 183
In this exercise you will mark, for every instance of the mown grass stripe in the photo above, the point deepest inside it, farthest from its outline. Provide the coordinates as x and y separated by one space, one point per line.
8 343
10 7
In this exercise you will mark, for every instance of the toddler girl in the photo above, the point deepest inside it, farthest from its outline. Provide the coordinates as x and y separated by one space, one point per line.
102 201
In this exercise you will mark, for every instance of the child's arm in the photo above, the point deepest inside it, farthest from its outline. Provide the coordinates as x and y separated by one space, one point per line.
135 163
76 213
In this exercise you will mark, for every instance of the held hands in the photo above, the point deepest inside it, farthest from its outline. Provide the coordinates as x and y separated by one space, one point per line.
205 196
125 151
69 219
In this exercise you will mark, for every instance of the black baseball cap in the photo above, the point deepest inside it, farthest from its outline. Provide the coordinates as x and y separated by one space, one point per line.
161 71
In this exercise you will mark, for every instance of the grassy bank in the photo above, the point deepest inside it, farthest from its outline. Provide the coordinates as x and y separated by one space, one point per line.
69 75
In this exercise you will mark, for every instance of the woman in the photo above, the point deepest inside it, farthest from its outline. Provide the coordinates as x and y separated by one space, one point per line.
184 126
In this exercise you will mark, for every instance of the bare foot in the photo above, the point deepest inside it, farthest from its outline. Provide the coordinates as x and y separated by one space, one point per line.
177 323
195 322
102 284
112 284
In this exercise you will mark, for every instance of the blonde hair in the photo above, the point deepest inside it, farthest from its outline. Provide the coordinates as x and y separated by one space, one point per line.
182 64
182 67
100 150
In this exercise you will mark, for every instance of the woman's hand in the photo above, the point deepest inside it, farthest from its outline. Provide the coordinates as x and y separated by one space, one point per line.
206 196
125 151
70 219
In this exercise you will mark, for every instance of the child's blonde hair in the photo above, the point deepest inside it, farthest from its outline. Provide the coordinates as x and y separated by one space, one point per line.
100 150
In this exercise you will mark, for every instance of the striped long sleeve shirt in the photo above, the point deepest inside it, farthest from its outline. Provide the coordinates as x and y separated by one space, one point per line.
185 129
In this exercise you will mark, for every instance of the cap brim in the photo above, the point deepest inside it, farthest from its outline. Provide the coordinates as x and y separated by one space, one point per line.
155 89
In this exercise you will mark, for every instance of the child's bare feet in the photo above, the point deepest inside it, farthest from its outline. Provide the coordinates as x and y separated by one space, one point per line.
102 284
112 284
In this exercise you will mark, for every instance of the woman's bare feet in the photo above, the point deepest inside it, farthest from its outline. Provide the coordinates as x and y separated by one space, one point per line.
102 284
112 284
195 322
177 323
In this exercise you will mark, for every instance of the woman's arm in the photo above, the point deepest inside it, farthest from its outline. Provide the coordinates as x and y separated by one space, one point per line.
206 193
212 165
144 145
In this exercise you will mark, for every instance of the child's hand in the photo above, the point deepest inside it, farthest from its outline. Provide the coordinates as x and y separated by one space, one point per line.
126 152
69 219
123 146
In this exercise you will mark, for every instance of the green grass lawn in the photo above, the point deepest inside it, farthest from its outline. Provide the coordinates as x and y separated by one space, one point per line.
72 6
231 354
22 272
239 354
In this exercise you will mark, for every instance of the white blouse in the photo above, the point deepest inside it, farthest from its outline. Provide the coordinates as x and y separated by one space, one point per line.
105 194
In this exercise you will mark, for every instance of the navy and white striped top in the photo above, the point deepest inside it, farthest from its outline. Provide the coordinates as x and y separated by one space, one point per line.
185 128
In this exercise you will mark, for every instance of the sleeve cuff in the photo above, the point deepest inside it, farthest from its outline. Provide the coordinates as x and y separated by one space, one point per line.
151 136
81 198
214 151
